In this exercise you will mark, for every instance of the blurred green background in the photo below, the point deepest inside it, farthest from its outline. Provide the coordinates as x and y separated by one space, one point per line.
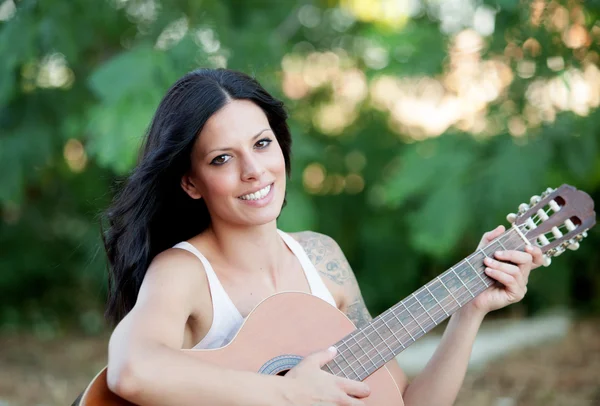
417 126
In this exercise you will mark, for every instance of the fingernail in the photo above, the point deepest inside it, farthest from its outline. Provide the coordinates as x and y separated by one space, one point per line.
332 349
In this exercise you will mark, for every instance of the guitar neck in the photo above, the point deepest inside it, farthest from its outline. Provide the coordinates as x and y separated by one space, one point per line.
370 347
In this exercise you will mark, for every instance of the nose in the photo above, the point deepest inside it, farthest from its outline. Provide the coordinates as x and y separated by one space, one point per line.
252 169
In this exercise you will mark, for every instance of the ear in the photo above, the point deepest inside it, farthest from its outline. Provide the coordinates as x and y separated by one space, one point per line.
188 186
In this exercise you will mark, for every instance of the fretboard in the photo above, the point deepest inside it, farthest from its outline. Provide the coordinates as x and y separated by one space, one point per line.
367 349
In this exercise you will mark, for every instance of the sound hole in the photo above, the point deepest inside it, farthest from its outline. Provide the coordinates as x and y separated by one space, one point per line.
280 365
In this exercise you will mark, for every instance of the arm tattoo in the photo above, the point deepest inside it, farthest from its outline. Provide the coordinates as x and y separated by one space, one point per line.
357 312
326 257
330 261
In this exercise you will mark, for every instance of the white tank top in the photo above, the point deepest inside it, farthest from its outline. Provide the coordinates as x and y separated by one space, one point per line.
227 320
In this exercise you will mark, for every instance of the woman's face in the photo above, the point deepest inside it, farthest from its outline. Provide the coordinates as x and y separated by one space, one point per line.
238 167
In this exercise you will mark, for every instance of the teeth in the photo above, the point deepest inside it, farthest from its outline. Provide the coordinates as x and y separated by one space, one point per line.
257 195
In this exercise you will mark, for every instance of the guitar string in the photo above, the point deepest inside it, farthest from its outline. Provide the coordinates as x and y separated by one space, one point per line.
360 358
382 318
404 335
419 317
508 235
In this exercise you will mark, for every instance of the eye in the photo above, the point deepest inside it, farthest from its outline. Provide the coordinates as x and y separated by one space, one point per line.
264 143
220 160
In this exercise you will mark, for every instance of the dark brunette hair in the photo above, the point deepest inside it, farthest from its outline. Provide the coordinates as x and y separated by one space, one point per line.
152 213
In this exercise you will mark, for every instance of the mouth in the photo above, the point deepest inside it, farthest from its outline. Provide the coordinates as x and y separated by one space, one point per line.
258 195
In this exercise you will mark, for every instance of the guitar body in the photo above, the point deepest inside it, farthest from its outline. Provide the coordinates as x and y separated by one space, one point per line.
280 331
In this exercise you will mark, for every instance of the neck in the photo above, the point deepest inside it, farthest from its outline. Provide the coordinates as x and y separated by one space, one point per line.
365 350
257 249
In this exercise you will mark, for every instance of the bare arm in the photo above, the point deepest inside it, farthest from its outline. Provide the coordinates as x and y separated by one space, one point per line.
440 381
145 363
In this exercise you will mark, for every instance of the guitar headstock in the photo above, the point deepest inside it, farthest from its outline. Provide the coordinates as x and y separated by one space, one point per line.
555 221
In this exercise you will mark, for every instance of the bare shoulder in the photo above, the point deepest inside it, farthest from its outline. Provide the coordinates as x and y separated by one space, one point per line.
173 279
176 267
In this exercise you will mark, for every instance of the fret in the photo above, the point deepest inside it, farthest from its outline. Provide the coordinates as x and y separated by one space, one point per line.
463 283
442 295
414 318
393 333
357 358
500 242
437 301
328 369
487 281
367 352
424 308
339 367
476 272
403 326
372 345
383 340
449 291
341 353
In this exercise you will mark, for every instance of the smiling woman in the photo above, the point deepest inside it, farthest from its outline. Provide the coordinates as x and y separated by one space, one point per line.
194 250
162 201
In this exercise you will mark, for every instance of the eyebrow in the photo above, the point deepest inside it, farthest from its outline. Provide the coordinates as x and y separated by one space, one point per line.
229 149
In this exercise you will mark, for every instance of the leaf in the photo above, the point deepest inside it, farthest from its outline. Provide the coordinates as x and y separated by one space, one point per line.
514 173
299 214
439 224
116 132
130 72
23 152
426 165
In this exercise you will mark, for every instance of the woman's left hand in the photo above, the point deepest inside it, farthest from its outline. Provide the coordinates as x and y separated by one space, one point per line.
510 268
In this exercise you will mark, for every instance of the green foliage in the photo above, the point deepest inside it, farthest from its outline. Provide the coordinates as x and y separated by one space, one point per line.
424 204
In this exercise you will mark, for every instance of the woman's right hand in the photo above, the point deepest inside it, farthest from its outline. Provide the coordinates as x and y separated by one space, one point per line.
313 386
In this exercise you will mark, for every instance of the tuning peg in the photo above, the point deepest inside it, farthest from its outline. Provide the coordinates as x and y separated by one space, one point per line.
574 246
553 205
511 218
523 207
534 200
559 251
547 192
584 234
547 260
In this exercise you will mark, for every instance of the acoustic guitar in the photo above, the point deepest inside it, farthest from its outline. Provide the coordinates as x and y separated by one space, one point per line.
285 327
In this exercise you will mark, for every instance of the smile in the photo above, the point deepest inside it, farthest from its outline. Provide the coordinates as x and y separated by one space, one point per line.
257 195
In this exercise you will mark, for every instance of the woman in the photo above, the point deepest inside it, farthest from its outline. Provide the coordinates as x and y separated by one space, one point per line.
193 246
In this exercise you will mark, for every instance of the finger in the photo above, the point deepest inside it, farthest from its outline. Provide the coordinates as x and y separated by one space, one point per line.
505 267
510 283
349 400
354 388
492 234
320 358
356 402
523 260
537 254
516 257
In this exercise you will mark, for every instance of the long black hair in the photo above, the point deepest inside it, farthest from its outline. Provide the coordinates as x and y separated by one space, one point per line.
151 213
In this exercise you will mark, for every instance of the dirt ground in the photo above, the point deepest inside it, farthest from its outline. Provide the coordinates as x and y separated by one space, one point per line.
566 373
